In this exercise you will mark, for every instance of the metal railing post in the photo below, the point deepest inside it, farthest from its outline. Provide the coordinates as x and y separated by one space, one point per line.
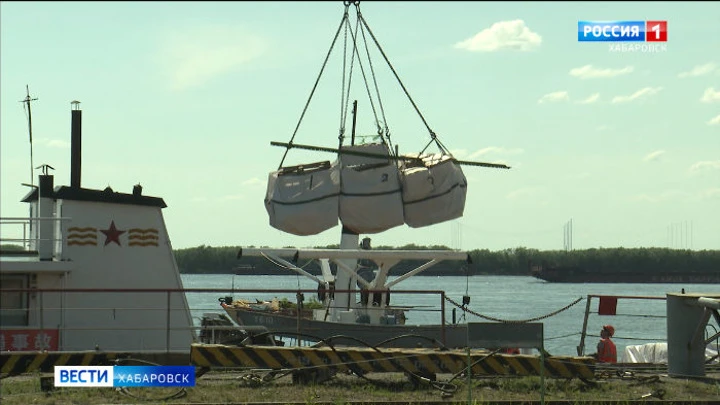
442 316
42 317
167 327
581 347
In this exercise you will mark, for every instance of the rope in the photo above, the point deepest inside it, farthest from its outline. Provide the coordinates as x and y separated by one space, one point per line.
307 103
346 95
382 52
563 336
630 338
377 88
362 71
343 106
268 258
490 318
636 315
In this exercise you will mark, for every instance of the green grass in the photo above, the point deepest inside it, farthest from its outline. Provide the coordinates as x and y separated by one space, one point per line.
217 387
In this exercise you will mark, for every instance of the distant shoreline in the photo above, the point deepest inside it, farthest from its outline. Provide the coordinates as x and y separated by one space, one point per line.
508 262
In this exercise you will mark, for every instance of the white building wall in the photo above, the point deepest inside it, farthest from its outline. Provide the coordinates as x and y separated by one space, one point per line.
136 254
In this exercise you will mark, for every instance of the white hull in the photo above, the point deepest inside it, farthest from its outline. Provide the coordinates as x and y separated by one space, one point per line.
352 334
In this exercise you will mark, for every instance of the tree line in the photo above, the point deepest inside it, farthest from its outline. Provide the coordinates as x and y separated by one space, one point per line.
514 261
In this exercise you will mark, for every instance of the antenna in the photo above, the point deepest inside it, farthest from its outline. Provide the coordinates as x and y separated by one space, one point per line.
567 235
26 102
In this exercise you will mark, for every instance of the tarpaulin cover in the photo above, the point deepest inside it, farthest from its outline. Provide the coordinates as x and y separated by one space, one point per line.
304 201
370 191
433 191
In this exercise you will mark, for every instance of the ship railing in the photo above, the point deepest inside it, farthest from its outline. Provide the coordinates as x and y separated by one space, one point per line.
40 318
606 312
23 233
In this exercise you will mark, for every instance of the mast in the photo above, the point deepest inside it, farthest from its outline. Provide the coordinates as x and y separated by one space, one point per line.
26 102
354 113
349 240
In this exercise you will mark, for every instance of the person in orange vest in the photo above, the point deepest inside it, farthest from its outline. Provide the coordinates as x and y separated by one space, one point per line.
606 350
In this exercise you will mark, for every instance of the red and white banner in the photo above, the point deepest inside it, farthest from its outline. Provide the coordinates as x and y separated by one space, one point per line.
24 340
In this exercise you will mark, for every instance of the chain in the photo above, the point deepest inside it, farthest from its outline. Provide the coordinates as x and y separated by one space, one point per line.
490 318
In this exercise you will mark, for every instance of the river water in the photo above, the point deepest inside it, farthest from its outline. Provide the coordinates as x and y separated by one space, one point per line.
492 298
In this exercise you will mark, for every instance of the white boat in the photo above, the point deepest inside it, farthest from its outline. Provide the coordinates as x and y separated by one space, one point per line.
369 188
96 272
372 319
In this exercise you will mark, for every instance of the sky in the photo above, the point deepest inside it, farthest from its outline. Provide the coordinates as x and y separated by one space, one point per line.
184 98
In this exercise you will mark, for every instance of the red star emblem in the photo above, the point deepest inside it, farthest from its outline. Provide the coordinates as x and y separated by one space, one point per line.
112 234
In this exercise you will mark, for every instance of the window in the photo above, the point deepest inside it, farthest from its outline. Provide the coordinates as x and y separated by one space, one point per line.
13 304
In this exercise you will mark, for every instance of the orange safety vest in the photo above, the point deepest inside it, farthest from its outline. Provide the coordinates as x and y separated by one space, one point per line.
607 353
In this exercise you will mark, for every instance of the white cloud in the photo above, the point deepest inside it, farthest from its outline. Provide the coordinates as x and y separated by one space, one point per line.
705 165
459 153
700 70
554 97
712 193
513 35
253 182
535 194
643 198
196 55
493 150
591 99
579 175
52 143
710 95
653 156
669 195
714 121
640 94
235 197
589 72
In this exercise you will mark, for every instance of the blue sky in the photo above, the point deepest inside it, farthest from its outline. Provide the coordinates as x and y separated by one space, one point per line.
185 98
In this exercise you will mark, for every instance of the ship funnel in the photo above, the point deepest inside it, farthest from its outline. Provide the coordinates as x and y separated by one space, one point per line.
76 145
45 212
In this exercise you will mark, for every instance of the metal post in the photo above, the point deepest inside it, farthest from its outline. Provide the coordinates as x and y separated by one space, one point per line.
167 327
469 374
442 316
686 348
299 316
42 318
542 373
581 347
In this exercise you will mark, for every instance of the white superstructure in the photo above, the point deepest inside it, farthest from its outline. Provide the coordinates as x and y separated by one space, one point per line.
79 239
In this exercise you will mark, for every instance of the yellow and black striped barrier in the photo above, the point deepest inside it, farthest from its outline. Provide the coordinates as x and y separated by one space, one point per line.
13 363
364 360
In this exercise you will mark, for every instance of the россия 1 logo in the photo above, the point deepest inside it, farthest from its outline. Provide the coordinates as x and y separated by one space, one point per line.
637 32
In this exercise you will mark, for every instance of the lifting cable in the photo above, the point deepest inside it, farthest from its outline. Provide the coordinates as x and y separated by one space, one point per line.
383 132
343 104
433 136
380 129
322 69
355 34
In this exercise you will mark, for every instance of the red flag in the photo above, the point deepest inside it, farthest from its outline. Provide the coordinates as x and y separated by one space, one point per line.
608 305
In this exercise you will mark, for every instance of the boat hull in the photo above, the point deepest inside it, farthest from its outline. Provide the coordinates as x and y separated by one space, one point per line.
353 334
